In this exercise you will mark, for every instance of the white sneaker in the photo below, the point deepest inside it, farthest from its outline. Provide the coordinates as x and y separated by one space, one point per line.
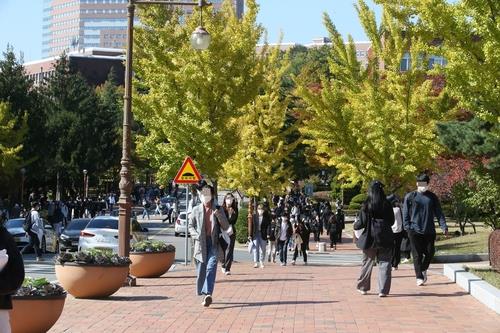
405 261
424 273
420 282
362 292
256 265
207 300
261 264
382 295
394 268
223 270
293 262
227 272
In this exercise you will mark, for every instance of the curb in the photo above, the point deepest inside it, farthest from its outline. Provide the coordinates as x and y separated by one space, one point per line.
475 286
453 258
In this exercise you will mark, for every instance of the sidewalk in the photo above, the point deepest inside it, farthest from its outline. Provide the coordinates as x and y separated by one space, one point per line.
282 299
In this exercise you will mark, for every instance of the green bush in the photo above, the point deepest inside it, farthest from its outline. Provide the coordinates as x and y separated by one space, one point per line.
153 246
242 226
39 287
357 200
354 206
93 257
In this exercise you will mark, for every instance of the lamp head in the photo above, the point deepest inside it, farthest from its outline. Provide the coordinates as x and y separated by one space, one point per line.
200 39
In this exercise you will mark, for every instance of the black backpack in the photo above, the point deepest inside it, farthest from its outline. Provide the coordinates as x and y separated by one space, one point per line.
28 223
272 232
381 233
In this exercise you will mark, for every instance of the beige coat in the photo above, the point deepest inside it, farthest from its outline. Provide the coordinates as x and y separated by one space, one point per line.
198 233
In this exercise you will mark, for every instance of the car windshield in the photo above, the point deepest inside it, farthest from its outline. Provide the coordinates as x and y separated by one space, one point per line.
78 224
98 223
182 216
15 223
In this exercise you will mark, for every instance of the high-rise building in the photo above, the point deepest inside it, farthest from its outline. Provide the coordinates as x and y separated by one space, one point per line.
75 24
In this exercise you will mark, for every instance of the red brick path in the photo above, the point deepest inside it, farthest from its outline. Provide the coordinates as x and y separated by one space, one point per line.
282 299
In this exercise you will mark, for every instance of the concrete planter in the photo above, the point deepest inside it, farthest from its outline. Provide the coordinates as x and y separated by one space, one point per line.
33 314
150 264
91 281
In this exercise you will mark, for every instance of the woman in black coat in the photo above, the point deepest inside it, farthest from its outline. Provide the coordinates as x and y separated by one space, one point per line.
11 276
230 207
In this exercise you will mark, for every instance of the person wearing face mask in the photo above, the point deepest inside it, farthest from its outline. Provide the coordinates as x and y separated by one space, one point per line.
419 210
231 210
258 235
283 234
205 224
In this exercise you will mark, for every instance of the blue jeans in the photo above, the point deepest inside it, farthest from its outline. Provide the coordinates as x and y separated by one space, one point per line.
282 249
206 271
259 251
145 213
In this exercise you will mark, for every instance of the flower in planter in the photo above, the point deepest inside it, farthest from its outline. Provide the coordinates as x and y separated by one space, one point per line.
39 287
93 257
152 246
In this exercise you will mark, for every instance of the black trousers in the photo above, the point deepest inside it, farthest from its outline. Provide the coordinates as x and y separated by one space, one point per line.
303 247
34 243
228 252
422 250
396 249
282 248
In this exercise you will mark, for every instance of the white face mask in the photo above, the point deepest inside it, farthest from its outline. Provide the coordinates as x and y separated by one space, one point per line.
206 198
260 212
422 189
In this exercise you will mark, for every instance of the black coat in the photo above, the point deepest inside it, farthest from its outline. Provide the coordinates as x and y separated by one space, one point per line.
12 276
366 241
266 221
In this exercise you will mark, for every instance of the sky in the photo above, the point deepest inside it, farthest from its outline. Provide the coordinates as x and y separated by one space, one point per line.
299 20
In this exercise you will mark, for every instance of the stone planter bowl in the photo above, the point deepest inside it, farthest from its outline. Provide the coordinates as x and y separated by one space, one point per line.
91 281
150 264
33 314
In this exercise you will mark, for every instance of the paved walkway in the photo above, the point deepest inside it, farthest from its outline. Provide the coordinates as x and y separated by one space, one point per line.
282 299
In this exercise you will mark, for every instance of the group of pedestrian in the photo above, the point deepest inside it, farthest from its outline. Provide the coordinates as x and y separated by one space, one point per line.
385 225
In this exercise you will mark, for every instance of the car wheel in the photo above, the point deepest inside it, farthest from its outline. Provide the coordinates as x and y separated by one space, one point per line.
176 234
44 246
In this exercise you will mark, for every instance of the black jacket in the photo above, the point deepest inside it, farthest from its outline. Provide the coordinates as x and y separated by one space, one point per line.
233 218
12 276
366 241
266 221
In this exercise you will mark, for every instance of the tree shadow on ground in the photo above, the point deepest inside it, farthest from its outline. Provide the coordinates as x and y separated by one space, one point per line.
455 294
227 305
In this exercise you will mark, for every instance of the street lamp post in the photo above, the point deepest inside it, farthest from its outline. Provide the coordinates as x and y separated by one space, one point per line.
200 40
23 178
85 183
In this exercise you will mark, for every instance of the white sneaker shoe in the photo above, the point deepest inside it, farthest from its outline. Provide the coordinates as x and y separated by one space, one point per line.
405 261
207 301
256 265
227 273
424 273
382 295
293 262
362 292
261 264
420 282
223 270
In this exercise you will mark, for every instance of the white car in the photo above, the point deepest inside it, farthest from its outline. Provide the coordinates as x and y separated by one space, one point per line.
48 241
180 225
102 233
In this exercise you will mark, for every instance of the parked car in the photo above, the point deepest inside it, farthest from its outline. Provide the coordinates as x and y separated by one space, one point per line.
68 241
102 233
180 225
49 241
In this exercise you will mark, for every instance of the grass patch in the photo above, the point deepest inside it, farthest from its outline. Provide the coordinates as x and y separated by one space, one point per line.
467 244
488 275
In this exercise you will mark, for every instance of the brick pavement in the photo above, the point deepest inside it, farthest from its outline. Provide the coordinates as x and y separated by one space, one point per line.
282 299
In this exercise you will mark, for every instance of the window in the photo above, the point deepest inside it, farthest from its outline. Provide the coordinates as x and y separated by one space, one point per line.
405 64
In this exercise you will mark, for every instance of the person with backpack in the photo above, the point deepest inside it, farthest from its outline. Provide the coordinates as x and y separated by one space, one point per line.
11 273
375 218
33 225
420 208
271 240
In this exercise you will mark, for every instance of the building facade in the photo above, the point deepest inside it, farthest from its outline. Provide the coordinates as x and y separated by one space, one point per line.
70 25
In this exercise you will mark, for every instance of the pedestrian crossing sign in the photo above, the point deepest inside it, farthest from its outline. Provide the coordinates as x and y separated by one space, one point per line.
188 174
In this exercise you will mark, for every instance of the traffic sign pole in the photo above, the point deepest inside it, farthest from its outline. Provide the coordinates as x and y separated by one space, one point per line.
187 229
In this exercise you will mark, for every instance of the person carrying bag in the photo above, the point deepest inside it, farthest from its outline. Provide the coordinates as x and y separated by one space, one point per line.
376 218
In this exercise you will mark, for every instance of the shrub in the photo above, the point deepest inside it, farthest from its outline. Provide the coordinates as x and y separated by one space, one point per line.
93 257
357 200
242 226
153 246
39 287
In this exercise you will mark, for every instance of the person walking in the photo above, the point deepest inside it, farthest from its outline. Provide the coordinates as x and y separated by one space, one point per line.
420 209
397 230
283 234
271 240
158 207
145 206
205 224
11 273
230 207
340 217
332 231
300 235
376 218
34 230
258 235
